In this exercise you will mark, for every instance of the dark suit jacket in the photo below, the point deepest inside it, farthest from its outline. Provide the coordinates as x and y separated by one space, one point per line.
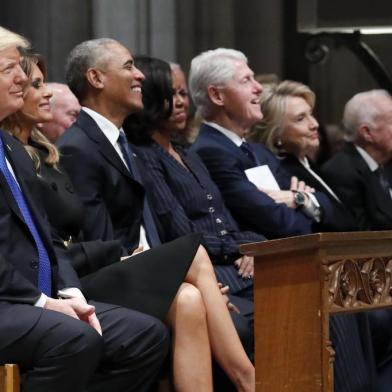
104 184
359 189
58 194
252 208
187 200
113 199
19 261
344 220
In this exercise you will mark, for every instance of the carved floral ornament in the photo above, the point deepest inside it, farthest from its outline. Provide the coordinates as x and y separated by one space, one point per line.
360 282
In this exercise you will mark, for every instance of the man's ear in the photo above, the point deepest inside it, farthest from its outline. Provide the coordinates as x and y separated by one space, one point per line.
365 133
216 95
95 77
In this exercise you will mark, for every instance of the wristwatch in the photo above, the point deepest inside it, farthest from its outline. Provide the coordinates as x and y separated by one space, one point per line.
299 199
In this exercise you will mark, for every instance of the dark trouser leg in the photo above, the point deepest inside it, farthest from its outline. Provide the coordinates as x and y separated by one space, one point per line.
381 327
58 353
354 363
135 346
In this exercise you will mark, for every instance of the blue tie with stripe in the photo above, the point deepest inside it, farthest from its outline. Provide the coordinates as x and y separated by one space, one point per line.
148 220
248 150
44 267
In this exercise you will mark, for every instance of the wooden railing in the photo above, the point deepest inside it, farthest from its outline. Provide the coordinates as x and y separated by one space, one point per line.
9 378
299 283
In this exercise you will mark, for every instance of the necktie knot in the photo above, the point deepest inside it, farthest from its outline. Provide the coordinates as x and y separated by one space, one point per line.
383 179
249 152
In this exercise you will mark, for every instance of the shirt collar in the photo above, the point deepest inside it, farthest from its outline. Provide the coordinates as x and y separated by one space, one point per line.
305 162
373 165
237 140
107 127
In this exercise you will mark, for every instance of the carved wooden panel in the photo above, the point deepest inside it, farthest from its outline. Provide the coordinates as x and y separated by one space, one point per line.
359 283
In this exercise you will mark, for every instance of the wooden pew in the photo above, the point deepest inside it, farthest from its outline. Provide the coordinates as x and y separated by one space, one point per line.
299 283
9 378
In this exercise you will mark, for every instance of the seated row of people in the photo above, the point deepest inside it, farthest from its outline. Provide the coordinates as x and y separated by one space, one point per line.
152 282
58 343
122 198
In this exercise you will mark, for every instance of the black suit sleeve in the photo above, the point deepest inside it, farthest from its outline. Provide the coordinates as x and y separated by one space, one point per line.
90 256
350 189
97 222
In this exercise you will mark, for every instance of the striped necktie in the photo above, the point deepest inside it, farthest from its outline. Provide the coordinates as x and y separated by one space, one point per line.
148 220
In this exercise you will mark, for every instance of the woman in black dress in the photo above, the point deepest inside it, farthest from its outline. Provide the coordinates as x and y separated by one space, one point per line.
152 281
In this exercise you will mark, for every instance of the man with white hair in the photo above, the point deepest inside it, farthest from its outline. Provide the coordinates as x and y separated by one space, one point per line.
357 173
65 109
227 96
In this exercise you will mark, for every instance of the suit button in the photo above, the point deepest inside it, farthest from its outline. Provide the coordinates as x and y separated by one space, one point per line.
54 186
34 264
223 232
219 221
209 196
211 209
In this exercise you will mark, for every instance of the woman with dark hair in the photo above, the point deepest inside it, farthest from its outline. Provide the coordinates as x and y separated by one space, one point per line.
183 195
177 289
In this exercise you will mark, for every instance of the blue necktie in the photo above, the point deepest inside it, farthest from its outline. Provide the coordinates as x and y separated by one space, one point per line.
44 268
148 220
248 150
382 177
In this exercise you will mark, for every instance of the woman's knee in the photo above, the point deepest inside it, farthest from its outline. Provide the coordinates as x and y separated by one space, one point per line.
190 302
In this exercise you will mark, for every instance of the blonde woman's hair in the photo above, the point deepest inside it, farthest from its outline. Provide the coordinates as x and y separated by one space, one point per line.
9 39
12 122
273 101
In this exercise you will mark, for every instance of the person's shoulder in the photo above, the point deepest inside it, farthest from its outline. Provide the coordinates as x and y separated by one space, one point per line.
146 152
209 142
261 149
340 164
72 136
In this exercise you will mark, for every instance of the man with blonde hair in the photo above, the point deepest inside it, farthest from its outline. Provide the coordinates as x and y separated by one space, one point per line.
46 325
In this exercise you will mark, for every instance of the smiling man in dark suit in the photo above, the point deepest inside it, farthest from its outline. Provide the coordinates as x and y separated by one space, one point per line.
228 97
47 327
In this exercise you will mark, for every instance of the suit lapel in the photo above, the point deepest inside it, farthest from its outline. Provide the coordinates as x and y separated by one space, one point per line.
9 152
382 201
25 174
224 141
92 130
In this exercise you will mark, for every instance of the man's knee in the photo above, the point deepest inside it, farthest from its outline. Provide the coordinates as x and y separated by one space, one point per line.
136 332
73 338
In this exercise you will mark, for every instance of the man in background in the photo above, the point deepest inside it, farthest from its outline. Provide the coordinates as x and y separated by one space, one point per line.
356 173
65 109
